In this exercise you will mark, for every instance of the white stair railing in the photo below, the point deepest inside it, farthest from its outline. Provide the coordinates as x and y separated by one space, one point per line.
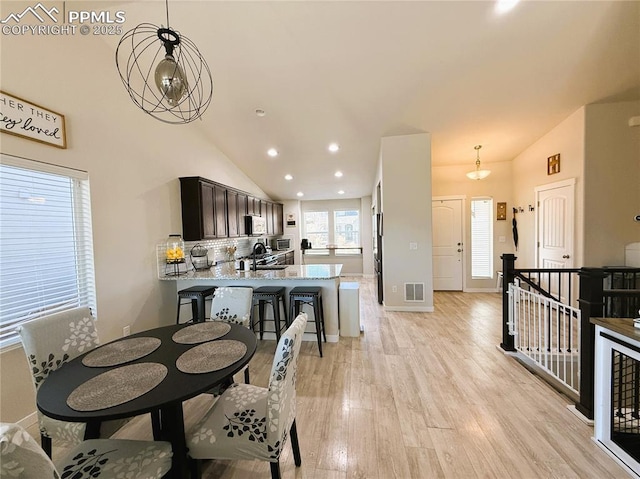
547 332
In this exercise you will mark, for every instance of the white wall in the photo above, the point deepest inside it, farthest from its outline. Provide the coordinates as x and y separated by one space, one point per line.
530 170
406 207
611 182
133 161
452 181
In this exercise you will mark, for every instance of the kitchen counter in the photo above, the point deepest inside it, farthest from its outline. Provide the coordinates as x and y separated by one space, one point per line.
326 276
227 271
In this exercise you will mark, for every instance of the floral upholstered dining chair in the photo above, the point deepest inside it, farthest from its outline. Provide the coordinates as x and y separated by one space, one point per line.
22 457
49 342
233 305
250 422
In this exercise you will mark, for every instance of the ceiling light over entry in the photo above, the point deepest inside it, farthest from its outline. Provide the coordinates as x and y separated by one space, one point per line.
334 147
299 194
182 87
288 177
272 152
478 174
338 174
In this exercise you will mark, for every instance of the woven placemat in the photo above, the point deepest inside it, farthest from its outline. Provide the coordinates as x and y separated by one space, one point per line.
116 386
121 352
201 332
211 356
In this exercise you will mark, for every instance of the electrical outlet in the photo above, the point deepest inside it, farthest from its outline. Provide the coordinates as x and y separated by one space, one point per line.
394 289
126 331
413 245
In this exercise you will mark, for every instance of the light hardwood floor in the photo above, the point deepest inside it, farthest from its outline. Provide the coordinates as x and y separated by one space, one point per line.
421 395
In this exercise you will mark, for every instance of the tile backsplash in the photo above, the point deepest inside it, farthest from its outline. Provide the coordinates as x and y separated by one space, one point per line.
217 251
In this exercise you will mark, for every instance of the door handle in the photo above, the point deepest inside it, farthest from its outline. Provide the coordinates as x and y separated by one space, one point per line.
566 256
459 250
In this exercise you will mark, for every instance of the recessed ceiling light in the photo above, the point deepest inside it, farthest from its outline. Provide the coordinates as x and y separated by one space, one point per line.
341 192
338 174
503 6
272 152
260 112
288 177
333 147
299 193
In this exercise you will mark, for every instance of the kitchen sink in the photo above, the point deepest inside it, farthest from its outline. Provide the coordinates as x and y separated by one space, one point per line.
270 266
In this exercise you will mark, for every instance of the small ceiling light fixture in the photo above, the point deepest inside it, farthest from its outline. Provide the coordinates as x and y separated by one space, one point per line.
334 147
260 113
272 152
299 193
288 177
503 6
478 174
341 192
178 88
338 174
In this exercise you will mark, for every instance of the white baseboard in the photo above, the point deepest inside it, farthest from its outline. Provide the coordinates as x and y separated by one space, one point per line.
28 421
579 415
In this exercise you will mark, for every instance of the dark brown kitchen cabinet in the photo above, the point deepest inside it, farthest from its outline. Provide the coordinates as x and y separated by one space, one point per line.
289 257
233 218
268 214
242 212
278 217
204 209
220 211
253 206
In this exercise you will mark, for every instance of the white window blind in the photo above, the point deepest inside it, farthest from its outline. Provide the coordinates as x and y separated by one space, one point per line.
482 238
46 248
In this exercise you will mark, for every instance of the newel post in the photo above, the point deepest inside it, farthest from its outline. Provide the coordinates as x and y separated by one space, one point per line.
591 306
508 275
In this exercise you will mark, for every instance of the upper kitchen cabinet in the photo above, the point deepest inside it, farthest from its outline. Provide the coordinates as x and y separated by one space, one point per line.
242 212
204 209
278 218
253 206
268 214
233 216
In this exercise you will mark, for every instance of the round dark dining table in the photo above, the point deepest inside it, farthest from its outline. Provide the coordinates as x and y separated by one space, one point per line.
165 399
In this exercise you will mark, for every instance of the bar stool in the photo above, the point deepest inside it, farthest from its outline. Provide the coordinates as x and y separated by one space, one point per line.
270 295
311 295
197 295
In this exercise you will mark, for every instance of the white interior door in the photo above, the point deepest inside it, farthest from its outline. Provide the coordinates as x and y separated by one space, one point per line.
555 220
447 244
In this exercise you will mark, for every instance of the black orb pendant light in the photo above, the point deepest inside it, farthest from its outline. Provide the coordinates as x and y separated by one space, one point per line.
164 73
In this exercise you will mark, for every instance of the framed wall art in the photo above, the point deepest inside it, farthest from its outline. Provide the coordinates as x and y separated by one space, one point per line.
553 164
20 117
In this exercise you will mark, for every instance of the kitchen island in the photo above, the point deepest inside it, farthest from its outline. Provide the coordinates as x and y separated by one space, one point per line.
327 276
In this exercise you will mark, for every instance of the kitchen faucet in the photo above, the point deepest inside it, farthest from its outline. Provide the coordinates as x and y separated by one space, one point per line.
253 253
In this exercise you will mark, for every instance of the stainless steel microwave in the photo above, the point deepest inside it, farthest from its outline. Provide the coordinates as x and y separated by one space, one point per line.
281 244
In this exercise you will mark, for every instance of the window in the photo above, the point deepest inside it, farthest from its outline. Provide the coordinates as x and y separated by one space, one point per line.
346 231
339 228
482 238
316 229
46 249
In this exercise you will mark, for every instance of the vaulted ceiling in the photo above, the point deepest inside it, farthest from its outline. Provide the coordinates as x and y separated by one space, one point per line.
352 72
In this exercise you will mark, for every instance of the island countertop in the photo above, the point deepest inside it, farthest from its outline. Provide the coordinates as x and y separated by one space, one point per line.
227 271
325 276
